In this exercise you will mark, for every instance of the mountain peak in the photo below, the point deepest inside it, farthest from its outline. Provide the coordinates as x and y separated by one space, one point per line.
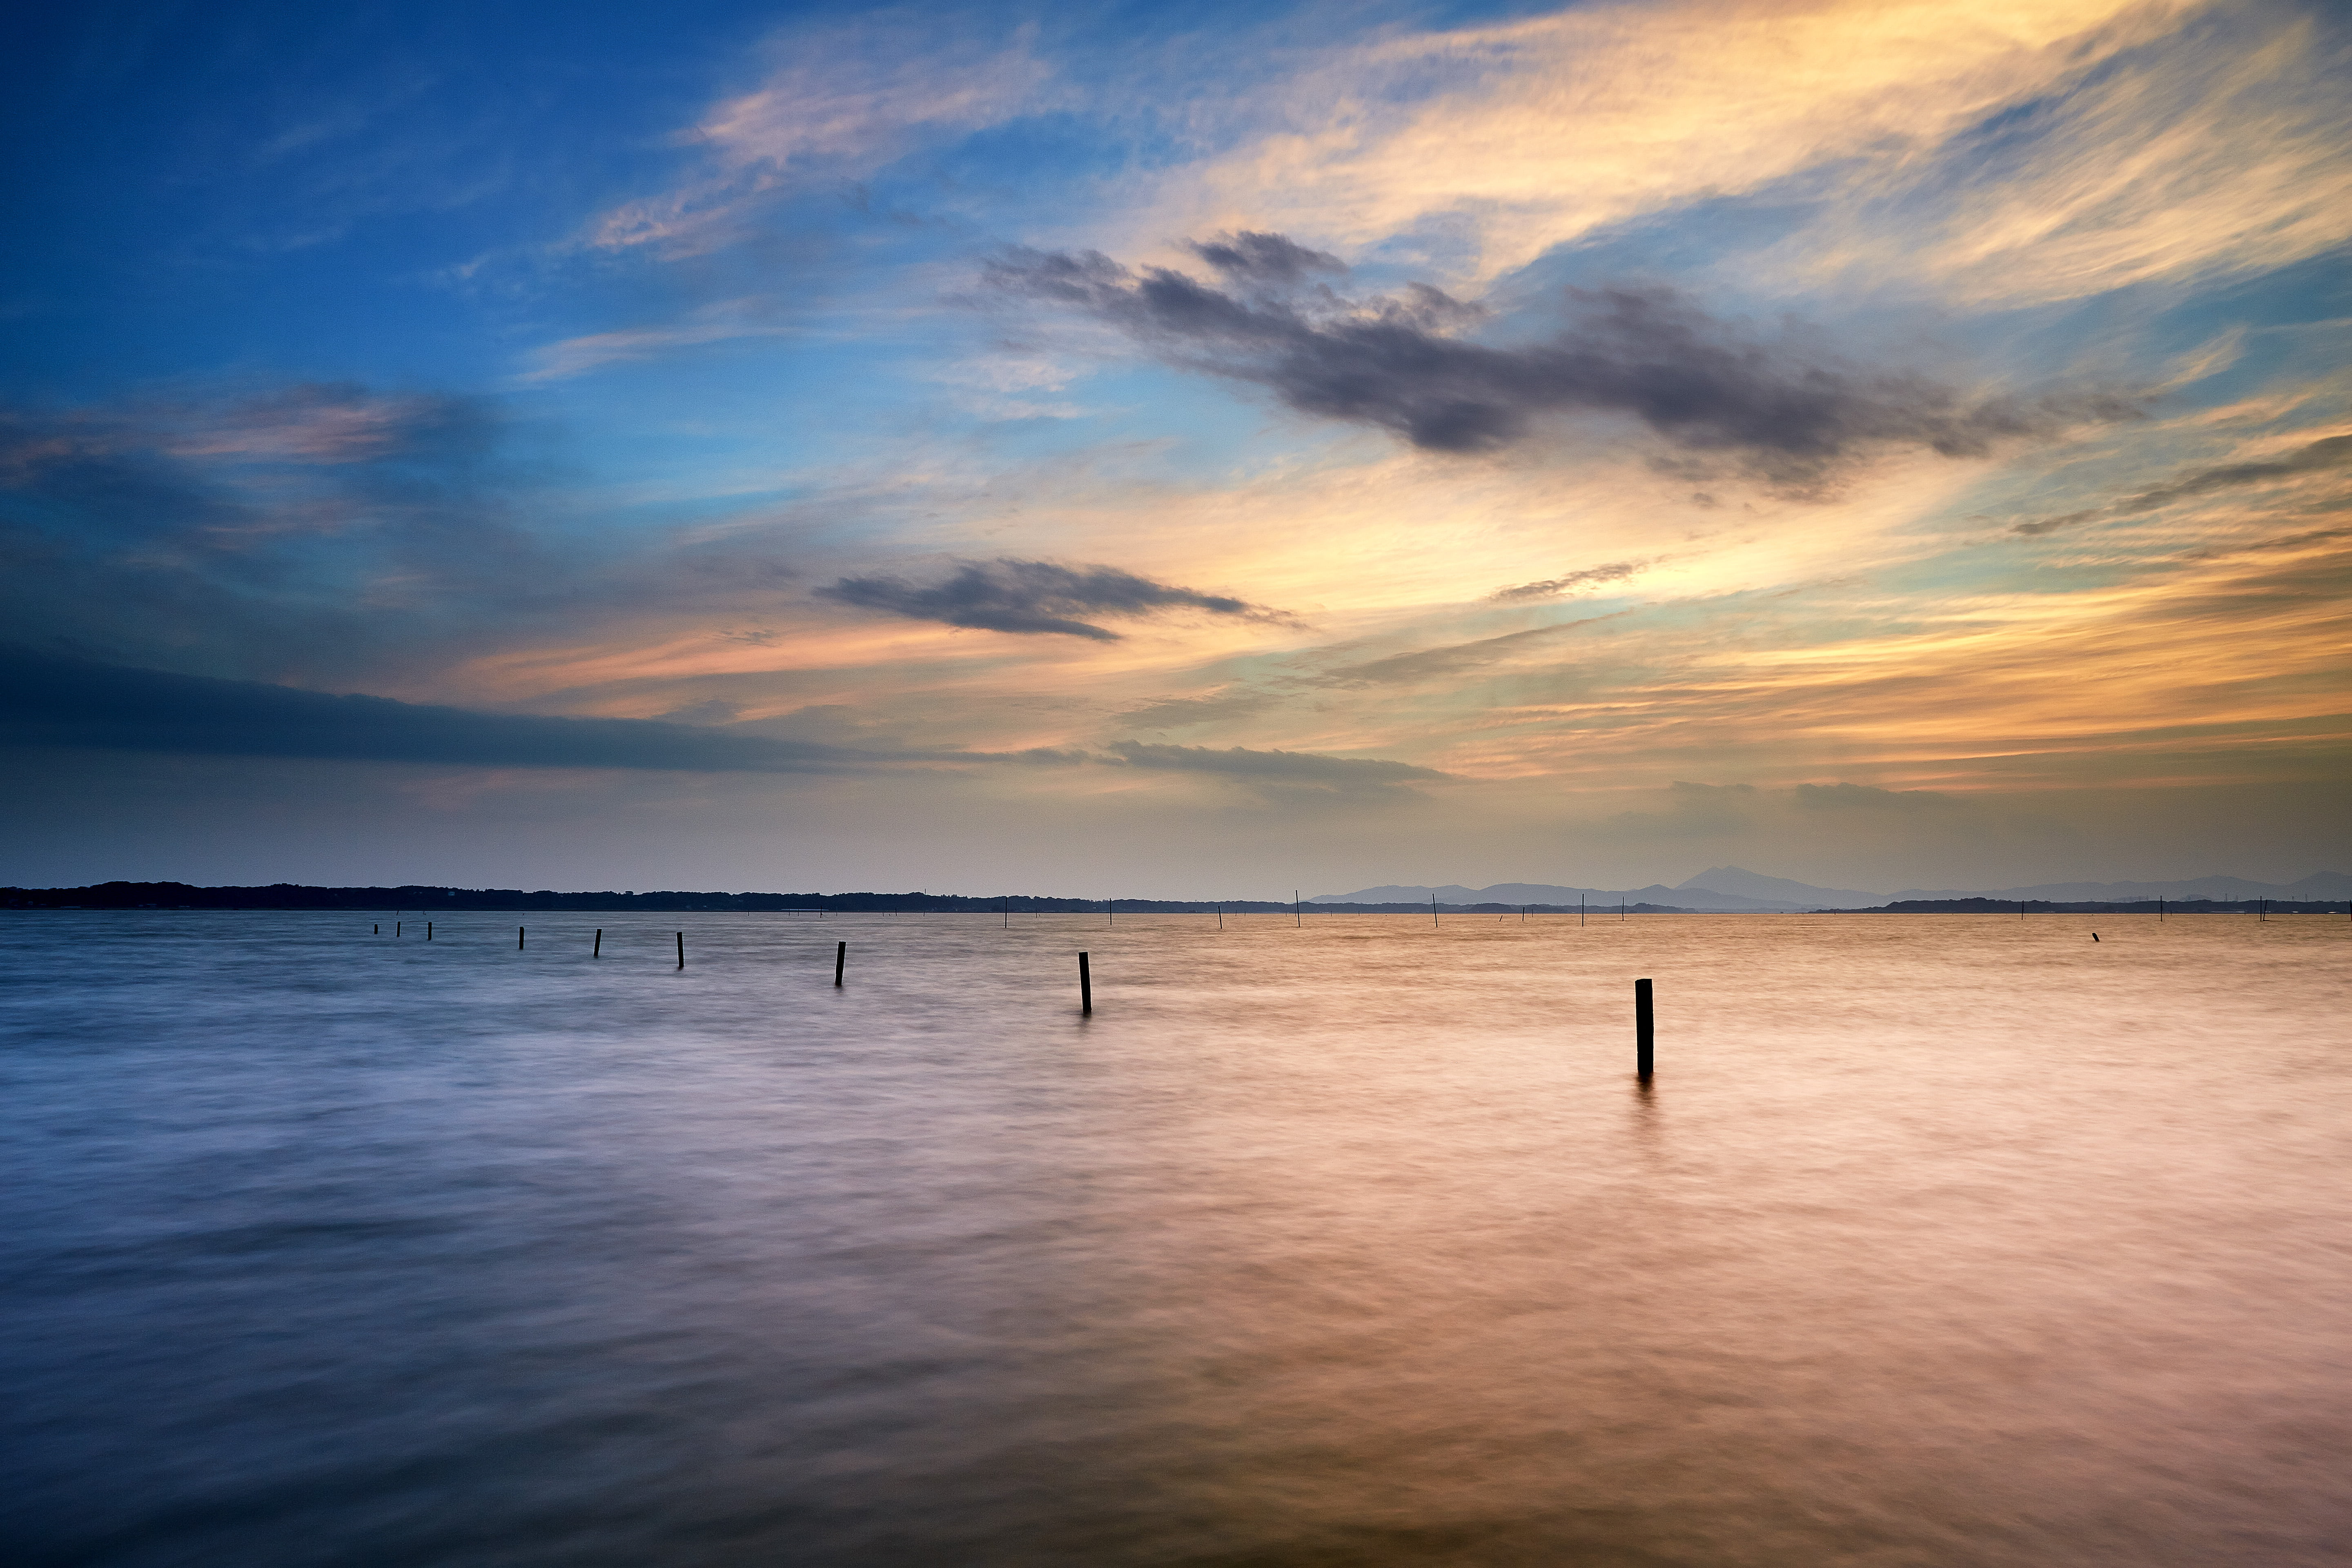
1756 885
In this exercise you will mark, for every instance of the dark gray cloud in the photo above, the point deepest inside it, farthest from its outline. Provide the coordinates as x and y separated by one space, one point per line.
1276 767
47 700
1398 361
1033 597
1552 587
2319 456
322 531
247 533
1253 258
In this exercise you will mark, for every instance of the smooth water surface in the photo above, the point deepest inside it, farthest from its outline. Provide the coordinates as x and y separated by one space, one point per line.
1935 1240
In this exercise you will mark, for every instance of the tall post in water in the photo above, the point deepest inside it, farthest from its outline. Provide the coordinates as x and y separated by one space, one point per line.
1433 908
1220 917
1645 1032
1579 912
2160 909
428 931
681 950
519 935
598 951
1296 917
840 960
1086 986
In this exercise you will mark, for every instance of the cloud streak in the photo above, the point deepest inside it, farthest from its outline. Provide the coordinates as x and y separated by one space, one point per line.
836 105
2326 455
1552 587
1033 597
1485 146
52 701
1276 768
1401 362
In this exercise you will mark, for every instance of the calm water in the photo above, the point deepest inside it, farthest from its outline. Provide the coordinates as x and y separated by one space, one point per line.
1937 1240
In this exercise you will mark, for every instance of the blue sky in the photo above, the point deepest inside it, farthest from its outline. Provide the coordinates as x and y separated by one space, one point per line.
1167 449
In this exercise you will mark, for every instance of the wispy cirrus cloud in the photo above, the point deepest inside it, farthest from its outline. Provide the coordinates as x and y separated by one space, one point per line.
2327 454
1453 147
317 422
723 321
1033 597
834 105
2187 143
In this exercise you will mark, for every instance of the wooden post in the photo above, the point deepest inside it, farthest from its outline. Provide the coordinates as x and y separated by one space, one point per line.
519 935
395 928
598 951
1220 917
1086 986
428 931
840 960
1297 917
681 950
1433 910
377 928
1644 1032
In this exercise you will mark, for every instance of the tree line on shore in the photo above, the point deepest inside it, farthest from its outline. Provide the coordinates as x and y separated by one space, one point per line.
425 900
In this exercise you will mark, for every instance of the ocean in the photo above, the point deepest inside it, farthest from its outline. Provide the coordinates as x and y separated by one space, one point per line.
1935 1240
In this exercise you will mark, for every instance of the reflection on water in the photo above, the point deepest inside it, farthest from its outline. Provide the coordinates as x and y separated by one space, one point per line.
1937 1240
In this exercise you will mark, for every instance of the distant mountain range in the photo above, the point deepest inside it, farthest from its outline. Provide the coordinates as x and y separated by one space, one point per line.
1733 889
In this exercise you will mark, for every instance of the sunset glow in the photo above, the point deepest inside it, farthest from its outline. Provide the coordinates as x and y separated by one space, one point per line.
1877 444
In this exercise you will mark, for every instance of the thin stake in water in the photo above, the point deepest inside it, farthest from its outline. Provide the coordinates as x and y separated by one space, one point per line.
840 960
518 933
1086 986
598 951
681 950
1645 1032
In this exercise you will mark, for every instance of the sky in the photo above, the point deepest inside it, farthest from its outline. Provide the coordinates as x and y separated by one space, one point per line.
1178 451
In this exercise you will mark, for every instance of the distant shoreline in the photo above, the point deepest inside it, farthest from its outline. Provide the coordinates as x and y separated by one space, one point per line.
172 896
